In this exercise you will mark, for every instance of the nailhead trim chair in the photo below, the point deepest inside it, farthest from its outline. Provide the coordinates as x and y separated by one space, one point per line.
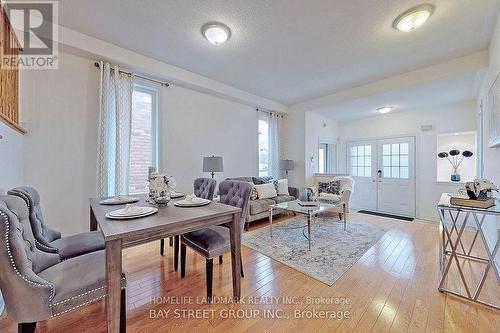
50 240
37 285
202 188
213 242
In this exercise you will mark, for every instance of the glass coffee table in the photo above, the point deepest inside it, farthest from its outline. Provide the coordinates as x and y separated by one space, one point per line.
308 211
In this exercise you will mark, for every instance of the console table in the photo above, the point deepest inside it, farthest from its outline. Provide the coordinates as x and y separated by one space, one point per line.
452 247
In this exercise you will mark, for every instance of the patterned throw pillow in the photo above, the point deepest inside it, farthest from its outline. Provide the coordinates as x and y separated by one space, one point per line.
253 193
276 186
332 187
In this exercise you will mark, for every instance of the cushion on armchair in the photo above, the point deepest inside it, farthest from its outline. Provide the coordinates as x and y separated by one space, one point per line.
331 187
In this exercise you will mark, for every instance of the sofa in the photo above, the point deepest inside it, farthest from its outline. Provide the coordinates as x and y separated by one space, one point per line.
259 208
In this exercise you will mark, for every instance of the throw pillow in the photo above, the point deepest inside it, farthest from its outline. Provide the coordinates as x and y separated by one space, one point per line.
266 191
253 193
332 187
283 187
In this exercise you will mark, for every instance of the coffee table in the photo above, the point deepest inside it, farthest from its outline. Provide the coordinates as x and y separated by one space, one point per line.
308 211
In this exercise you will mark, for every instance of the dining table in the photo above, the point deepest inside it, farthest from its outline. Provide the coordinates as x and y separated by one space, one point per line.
169 221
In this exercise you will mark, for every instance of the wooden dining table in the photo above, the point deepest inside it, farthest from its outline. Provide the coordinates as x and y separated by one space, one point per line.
168 221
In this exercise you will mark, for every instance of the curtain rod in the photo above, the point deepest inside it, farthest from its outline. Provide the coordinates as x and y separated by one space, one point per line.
163 83
281 114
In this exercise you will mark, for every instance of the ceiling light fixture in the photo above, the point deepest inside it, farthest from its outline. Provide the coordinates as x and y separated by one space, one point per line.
384 109
216 33
413 18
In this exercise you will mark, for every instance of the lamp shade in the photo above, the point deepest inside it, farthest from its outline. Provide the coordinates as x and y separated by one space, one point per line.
287 165
213 164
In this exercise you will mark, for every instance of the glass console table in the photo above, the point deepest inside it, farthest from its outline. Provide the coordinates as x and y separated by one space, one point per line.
454 220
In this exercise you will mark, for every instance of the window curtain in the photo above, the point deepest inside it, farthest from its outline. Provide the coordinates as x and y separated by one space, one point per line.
274 145
115 111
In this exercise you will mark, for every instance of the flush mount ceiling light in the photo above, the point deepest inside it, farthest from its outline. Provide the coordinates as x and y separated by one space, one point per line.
385 109
215 32
413 18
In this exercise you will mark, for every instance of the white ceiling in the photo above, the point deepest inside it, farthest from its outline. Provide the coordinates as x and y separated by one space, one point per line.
287 50
418 97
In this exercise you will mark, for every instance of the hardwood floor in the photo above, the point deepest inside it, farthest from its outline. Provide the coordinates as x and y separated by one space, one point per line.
392 288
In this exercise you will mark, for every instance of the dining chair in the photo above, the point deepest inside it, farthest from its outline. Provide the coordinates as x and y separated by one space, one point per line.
213 242
202 188
36 285
50 240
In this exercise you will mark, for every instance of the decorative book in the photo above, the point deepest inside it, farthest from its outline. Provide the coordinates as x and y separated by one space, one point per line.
308 203
477 203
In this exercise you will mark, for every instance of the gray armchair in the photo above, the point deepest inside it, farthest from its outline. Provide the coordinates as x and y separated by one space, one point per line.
37 285
215 241
202 188
50 240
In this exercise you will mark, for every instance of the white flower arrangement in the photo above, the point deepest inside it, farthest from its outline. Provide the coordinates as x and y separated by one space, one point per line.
161 183
479 189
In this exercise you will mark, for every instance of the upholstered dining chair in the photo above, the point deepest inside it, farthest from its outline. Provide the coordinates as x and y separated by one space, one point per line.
37 285
50 240
202 188
213 242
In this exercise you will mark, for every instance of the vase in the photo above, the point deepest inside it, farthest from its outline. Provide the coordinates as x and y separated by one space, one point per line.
162 198
455 176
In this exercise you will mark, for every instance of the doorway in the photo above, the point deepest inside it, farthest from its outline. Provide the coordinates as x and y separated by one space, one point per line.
384 175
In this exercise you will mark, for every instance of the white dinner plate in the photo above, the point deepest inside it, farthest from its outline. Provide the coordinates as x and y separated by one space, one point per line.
131 211
176 195
118 200
185 203
128 217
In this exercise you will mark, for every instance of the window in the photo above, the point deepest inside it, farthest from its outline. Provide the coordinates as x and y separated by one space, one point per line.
143 137
263 146
361 161
326 157
395 160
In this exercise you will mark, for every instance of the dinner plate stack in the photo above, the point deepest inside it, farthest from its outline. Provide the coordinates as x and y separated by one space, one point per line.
175 195
192 202
131 212
119 200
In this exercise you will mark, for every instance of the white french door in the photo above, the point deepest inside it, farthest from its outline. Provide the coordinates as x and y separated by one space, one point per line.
384 174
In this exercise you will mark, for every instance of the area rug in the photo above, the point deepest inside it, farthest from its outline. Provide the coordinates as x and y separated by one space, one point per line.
333 250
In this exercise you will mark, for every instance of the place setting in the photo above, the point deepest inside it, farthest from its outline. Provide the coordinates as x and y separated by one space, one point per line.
131 212
192 201
119 200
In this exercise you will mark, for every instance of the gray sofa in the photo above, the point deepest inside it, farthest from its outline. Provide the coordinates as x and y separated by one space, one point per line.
258 209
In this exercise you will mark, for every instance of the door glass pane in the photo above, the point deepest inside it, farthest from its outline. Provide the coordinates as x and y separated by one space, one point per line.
403 172
395 160
404 160
395 172
368 171
404 148
368 161
354 171
361 150
386 149
387 161
354 151
361 171
361 161
395 149
368 150
387 172
354 161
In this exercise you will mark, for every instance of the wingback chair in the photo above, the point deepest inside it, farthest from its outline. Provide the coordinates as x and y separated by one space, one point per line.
202 188
50 240
37 285
213 242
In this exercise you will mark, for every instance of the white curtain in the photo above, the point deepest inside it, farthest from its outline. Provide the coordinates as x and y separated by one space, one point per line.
274 145
115 109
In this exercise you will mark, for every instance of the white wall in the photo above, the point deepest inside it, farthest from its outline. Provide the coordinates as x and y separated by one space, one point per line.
194 125
11 161
491 156
316 127
60 155
446 119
